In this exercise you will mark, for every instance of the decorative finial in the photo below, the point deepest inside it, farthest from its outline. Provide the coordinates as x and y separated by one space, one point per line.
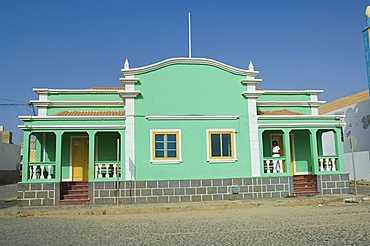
250 66
367 12
126 64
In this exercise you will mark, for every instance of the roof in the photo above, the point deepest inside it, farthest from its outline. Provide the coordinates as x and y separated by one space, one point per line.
107 88
90 113
278 112
344 102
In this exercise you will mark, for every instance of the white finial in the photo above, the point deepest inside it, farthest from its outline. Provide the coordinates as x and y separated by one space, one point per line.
126 64
250 66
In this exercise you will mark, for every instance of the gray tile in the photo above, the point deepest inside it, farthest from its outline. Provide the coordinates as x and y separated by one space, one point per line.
168 192
326 192
335 177
266 180
284 180
152 199
185 183
151 184
23 203
51 194
280 187
29 194
284 194
48 186
325 177
206 182
330 185
211 190
163 199
146 192
157 192
140 200
109 185
275 194
35 202
335 191
179 191
201 190
216 197
190 191
195 183
237 181
41 194
226 182
247 196
174 183
174 198
23 186
216 182
266 195
270 187
206 198
36 186
163 184
275 180
20 194
104 193
340 184
222 190
140 184
99 185
243 189
247 181
196 198
48 202
185 198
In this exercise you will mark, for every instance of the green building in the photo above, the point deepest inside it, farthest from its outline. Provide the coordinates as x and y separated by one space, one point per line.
183 129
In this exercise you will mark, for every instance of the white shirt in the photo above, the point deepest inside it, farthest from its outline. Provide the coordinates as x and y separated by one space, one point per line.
276 151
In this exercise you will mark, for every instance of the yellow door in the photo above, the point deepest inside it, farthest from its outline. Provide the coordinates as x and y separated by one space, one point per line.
80 159
292 156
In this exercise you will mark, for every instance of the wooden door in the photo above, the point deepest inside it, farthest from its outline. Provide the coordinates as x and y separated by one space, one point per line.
80 159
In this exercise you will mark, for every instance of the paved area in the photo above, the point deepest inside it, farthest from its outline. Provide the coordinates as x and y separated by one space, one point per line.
8 195
311 221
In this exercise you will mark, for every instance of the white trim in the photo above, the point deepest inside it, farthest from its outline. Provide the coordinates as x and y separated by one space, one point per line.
302 173
292 152
179 160
126 81
130 136
253 94
77 127
72 91
251 81
43 146
128 94
312 92
38 103
192 117
278 125
53 117
187 60
291 103
300 116
209 159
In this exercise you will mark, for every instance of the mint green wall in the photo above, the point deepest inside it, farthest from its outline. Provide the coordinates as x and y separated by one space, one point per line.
190 90
107 146
302 151
50 147
284 97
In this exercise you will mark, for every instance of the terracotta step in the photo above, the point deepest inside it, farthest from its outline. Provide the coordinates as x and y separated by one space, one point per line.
75 202
75 192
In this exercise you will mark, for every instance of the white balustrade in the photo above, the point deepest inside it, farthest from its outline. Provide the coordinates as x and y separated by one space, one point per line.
35 169
328 164
277 166
100 175
114 170
49 172
42 172
34 176
107 170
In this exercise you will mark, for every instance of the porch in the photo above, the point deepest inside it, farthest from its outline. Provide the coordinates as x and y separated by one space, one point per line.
73 155
309 151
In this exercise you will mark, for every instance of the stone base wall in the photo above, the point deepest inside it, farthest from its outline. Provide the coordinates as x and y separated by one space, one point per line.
333 184
38 194
190 190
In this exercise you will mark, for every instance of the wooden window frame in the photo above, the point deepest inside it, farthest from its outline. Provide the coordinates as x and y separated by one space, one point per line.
211 158
164 160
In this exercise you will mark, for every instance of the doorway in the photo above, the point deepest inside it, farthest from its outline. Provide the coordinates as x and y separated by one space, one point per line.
80 158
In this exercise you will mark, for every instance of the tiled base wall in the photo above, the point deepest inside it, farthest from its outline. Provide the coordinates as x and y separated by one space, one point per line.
191 190
333 184
38 194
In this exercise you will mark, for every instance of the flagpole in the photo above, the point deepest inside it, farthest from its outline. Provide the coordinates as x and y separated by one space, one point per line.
189 25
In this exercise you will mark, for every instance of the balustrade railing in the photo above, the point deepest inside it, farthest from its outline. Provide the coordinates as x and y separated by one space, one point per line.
274 165
328 164
41 170
107 170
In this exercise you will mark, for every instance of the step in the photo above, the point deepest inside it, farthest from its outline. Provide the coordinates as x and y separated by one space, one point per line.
74 196
75 192
306 193
75 202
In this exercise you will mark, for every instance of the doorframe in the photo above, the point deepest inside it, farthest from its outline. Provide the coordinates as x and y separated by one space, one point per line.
70 156
292 153
294 162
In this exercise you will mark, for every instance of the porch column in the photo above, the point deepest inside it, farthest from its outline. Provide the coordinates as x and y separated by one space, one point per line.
26 154
91 155
122 150
314 153
286 142
261 154
339 149
58 155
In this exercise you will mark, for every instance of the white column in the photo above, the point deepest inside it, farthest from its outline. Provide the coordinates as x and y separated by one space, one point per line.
130 135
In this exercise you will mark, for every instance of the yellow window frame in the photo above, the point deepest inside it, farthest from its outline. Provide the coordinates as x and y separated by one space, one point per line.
177 145
232 143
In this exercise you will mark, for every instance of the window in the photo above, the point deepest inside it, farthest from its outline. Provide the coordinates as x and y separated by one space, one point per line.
221 145
165 146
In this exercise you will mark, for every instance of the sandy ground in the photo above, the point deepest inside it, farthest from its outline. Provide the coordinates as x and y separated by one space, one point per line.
311 221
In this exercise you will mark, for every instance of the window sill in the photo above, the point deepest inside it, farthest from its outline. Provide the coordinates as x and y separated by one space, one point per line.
221 160
165 161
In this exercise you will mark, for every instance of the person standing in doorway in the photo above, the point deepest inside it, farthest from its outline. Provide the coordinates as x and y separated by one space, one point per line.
276 153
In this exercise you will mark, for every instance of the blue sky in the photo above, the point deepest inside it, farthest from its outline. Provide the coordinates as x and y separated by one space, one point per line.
79 44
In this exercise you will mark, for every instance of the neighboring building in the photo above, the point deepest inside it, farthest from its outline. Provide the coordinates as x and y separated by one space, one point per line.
356 108
366 34
9 158
183 129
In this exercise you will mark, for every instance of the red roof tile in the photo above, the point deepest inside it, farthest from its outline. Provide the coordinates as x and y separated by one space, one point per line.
90 113
278 112
107 88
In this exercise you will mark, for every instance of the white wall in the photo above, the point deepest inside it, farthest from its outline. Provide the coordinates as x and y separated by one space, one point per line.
357 126
9 156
